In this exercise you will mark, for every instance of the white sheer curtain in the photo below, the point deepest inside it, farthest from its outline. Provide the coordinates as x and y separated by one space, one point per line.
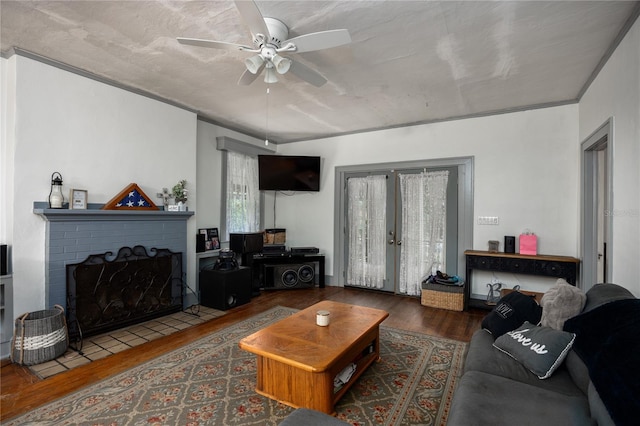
367 225
424 213
243 195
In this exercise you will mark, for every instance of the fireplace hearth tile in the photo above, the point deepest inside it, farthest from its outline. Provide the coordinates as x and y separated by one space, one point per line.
99 354
49 369
183 326
127 338
120 334
154 335
75 360
119 348
101 346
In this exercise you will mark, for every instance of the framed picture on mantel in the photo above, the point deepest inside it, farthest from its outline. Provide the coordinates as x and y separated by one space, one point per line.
78 199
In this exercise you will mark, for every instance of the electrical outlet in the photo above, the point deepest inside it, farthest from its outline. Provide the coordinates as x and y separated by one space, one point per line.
488 220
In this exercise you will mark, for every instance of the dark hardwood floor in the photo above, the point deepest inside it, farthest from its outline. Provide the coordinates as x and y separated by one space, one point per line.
22 391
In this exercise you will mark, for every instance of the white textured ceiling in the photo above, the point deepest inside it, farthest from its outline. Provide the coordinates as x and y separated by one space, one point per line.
409 62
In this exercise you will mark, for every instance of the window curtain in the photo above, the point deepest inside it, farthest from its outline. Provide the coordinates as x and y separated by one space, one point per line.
424 214
243 196
367 224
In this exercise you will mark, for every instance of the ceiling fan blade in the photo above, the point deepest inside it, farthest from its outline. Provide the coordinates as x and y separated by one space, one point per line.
214 44
320 40
252 17
247 77
307 74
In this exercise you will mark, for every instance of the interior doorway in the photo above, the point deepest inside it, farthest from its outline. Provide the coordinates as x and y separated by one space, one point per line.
596 221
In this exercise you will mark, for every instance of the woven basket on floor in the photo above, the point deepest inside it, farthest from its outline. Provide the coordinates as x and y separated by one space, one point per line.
39 336
443 296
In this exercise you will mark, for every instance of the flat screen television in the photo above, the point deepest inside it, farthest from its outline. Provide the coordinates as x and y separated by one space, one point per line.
288 173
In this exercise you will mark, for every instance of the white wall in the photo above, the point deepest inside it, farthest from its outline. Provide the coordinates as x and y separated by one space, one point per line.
7 117
526 173
209 172
100 138
616 93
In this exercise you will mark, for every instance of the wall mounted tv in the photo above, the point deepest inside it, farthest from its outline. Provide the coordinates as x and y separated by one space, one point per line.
288 173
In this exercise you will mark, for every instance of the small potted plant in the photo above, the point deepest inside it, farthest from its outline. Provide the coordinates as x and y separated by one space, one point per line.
180 194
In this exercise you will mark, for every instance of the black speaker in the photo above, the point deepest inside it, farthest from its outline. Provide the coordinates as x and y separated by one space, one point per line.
509 244
225 289
4 260
200 243
226 261
250 242
299 275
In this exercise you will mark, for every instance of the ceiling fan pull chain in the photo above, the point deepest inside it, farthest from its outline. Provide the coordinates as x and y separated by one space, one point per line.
266 132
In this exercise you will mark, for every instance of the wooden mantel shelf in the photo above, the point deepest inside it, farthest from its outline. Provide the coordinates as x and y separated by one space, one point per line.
94 213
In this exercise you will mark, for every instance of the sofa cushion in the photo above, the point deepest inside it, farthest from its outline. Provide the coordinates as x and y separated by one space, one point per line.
540 349
482 356
578 371
600 294
510 312
484 399
561 302
599 411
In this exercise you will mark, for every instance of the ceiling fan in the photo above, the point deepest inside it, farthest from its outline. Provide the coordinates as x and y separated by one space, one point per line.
270 40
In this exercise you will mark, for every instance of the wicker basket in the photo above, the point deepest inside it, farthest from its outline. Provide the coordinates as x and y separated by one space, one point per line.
39 336
443 296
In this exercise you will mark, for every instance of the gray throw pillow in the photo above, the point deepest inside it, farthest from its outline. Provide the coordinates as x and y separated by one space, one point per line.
561 302
540 349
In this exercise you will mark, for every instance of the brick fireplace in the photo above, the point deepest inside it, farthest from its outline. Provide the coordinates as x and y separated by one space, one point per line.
74 235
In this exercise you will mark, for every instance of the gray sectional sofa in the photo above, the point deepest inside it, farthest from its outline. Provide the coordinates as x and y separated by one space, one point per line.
497 389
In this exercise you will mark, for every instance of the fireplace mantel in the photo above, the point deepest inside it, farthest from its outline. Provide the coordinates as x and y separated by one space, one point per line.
94 213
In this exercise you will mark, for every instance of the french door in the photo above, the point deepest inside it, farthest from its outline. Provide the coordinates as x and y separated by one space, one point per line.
400 226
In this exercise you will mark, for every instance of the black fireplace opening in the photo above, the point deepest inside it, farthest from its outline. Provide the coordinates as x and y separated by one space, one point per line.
105 293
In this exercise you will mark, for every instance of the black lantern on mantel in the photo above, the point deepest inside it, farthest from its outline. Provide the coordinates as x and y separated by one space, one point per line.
56 199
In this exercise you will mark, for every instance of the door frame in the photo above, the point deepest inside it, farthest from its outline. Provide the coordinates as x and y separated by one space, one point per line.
600 139
465 167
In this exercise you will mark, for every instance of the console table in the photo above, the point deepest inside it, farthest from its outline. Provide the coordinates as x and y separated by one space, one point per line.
542 265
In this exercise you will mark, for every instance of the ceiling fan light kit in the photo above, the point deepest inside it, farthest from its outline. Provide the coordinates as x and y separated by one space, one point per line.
281 64
254 64
270 74
270 37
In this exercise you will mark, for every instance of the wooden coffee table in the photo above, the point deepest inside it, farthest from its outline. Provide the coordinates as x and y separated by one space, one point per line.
298 360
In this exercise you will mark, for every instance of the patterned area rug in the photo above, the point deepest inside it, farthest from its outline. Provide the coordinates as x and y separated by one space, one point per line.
212 381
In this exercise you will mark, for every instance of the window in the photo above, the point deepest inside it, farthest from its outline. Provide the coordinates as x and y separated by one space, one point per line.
242 194
242 202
